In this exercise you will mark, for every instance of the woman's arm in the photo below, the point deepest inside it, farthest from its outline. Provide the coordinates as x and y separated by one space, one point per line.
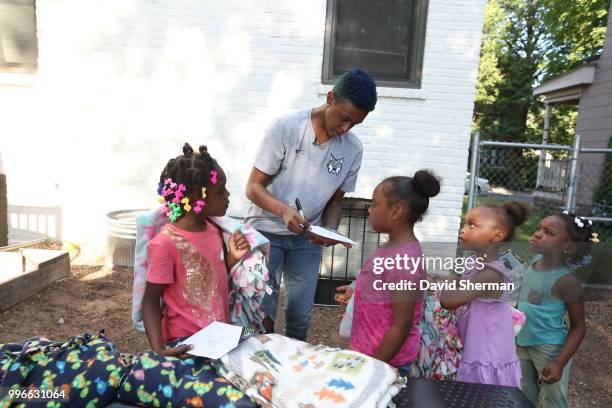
568 289
333 210
397 334
256 192
331 219
453 299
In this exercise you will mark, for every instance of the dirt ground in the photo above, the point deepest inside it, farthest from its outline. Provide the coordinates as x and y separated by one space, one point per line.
95 298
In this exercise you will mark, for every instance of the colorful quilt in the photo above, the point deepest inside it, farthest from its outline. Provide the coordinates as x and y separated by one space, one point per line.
89 372
277 371
160 381
86 369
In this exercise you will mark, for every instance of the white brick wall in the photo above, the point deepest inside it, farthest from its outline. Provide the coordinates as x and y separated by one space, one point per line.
123 83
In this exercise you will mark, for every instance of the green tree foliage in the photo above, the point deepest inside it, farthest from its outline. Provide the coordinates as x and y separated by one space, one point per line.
525 42
577 31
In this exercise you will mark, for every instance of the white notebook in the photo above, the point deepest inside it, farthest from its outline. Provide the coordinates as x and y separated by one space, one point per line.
325 233
214 341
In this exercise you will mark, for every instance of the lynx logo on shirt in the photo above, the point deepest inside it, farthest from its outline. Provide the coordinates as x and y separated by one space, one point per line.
334 166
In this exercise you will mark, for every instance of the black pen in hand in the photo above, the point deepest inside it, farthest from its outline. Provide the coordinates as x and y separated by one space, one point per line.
298 204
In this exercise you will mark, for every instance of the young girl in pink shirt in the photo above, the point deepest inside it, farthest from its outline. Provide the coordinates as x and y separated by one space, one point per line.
385 318
188 263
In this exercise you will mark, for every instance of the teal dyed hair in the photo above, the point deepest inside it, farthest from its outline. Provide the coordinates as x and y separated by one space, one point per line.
358 87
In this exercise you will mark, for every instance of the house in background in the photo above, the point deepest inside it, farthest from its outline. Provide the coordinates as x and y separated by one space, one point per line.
590 87
97 96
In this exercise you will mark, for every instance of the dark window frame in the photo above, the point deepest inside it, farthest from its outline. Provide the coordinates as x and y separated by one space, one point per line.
21 68
417 48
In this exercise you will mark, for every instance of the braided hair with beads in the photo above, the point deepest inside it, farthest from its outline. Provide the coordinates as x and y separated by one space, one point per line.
185 175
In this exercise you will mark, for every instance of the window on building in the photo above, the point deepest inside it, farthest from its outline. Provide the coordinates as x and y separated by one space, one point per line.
384 37
18 40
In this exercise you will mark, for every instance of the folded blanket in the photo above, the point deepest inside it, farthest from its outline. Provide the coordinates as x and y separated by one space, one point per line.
249 277
160 381
90 372
277 371
86 369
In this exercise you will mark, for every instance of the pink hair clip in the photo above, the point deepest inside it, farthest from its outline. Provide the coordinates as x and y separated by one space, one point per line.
199 206
213 176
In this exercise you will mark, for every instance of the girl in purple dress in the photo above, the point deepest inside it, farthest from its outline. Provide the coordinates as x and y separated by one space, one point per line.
483 312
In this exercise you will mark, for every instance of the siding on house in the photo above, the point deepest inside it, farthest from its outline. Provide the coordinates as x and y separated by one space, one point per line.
595 111
121 85
595 121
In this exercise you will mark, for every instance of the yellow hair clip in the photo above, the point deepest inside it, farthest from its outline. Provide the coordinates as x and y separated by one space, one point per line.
203 192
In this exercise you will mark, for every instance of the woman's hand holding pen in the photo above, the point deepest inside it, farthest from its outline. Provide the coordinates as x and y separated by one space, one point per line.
294 221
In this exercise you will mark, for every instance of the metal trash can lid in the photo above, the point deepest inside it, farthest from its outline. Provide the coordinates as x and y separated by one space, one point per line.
122 223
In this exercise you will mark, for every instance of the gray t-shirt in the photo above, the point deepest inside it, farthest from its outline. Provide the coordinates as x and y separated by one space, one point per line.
301 168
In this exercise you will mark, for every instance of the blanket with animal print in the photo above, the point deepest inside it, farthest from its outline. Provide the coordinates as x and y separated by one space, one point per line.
277 371
159 381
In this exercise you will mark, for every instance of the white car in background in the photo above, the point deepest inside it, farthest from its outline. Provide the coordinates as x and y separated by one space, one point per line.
482 184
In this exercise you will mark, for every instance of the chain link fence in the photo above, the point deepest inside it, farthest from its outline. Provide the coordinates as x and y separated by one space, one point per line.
512 173
552 178
594 192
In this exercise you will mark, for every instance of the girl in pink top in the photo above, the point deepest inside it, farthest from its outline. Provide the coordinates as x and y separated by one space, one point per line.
188 266
385 318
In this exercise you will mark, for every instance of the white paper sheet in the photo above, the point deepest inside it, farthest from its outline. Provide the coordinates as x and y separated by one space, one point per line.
325 233
215 340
